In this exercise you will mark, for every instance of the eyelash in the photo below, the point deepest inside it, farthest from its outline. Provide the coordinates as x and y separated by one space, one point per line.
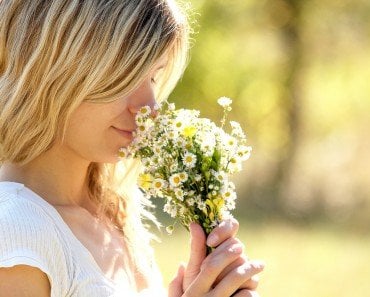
153 81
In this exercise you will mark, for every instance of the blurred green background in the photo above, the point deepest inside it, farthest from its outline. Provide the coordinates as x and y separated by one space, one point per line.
298 73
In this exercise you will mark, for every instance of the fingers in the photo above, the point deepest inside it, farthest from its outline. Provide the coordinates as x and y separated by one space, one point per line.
246 293
224 272
197 253
175 286
236 278
223 231
238 262
213 265
251 283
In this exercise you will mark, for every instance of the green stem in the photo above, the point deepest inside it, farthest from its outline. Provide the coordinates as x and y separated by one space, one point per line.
210 250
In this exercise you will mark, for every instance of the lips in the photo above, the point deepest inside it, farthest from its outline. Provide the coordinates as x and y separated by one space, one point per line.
125 133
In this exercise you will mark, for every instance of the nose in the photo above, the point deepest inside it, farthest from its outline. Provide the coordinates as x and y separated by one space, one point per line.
142 96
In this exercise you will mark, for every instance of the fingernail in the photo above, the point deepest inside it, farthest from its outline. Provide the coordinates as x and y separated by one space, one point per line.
236 248
258 264
212 240
227 224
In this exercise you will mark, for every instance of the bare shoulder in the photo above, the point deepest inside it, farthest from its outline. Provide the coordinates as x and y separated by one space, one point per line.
23 280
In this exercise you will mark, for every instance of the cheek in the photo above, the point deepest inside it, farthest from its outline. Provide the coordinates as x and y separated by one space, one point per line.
93 144
85 132
90 134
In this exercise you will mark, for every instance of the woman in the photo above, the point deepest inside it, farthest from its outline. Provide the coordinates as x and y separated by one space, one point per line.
73 74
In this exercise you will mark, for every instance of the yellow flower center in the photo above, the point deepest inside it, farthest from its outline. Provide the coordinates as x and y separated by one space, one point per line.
143 110
158 184
176 179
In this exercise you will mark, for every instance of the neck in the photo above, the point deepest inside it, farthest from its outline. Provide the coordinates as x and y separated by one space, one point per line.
58 177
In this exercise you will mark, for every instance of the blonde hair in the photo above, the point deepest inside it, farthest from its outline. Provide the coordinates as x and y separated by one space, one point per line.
56 54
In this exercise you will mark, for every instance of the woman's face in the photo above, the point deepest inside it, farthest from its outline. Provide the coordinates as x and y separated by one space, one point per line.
97 131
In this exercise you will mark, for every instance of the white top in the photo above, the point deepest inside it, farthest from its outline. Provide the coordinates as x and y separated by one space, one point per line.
33 233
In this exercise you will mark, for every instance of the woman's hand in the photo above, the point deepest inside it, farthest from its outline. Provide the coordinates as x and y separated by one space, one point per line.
223 273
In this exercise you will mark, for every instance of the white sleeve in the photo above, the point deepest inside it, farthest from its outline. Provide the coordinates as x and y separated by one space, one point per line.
28 237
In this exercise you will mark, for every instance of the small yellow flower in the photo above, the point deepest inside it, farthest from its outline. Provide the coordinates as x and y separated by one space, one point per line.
145 181
189 131
218 202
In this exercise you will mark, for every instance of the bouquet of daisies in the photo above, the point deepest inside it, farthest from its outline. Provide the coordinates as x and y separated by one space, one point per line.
188 161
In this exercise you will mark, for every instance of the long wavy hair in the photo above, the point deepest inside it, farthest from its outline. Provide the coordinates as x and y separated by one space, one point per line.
55 54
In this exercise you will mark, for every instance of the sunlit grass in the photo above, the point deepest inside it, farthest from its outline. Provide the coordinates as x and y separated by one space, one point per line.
316 261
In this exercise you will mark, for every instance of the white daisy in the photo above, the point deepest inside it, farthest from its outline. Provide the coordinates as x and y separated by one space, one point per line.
198 178
178 124
144 111
175 180
183 176
244 152
190 201
174 167
202 206
170 209
159 184
237 130
179 193
123 152
224 101
235 164
189 160
171 106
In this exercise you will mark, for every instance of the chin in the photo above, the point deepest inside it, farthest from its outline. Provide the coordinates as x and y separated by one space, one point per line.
111 158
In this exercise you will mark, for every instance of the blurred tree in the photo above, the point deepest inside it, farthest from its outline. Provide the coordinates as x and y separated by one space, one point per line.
293 98
298 73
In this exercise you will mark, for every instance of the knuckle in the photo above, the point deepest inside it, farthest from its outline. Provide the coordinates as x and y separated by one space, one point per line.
243 273
231 247
210 265
232 240
236 248
240 261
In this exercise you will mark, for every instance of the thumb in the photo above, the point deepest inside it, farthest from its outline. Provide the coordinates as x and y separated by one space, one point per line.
198 252
175 286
